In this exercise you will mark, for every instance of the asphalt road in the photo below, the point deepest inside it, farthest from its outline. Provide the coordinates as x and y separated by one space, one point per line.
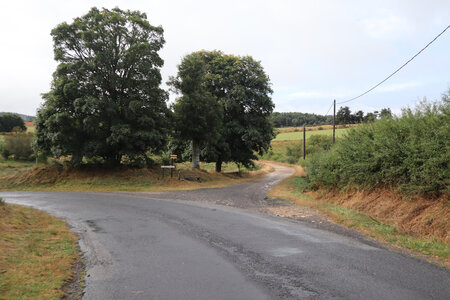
195 245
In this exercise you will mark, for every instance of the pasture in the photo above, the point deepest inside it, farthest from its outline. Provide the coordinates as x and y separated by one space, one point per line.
298 135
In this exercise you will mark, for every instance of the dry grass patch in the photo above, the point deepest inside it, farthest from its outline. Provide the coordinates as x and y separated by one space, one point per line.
418 225
11 168
313 128
65 178
37 254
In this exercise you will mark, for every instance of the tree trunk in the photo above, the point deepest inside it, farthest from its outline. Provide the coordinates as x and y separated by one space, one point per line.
218 166
195 155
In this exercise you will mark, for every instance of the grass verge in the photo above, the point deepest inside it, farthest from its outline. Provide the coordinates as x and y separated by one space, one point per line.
37 253
292 189
64 178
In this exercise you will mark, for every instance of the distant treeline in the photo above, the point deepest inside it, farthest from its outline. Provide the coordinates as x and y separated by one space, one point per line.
295 119
343 116
25 118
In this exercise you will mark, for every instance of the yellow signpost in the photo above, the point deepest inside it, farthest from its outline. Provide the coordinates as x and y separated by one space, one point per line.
172 157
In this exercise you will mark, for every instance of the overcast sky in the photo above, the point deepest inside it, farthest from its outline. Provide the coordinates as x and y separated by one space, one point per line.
313 51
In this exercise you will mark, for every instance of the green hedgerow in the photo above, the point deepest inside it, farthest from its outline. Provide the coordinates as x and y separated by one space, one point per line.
411 153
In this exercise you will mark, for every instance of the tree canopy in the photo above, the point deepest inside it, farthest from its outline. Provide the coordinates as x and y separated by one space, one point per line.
10 121
242 89
197 114
105 98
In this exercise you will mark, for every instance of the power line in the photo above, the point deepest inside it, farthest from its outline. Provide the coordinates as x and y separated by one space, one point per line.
329 109
371 89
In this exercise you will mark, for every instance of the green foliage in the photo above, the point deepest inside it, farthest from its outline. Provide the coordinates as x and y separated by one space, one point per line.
197 114
105 98
2 145
18 146
10 121
241 89
411 152
315 144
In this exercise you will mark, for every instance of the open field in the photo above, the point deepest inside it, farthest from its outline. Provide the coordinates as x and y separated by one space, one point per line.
37 254
298 135
314 128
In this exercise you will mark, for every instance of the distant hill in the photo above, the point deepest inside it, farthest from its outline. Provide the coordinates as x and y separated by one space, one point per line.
24 117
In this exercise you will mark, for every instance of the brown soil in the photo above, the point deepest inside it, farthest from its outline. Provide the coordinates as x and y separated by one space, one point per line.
416 217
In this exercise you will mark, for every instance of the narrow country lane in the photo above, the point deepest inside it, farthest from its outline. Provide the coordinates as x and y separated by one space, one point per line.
216 244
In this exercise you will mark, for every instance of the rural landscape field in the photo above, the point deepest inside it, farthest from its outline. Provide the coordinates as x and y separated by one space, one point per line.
211 161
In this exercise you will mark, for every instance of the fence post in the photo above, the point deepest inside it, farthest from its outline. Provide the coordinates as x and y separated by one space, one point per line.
334 121
304 141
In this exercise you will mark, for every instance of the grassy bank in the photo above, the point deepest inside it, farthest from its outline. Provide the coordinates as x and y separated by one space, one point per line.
394 228
37 253
57 177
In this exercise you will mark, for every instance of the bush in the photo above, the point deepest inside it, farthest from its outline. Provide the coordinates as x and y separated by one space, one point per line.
315 144
18 147
411 153
10 121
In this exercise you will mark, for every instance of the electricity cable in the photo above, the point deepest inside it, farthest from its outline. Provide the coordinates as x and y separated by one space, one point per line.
381 82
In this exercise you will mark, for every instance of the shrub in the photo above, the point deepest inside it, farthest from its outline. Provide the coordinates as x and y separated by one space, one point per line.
9 121
315 144
18 146
411 153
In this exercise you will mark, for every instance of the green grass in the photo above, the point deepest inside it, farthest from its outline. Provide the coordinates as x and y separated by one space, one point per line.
290 136
37 253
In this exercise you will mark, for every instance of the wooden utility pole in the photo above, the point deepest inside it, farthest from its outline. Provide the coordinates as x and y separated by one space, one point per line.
334 121
304 141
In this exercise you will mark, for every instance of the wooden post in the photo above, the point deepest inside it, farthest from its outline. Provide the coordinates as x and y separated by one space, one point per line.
334 121
304 141
171 170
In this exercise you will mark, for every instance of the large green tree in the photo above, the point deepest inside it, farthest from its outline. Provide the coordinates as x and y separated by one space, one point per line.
105 98
242 89
197 114
9 121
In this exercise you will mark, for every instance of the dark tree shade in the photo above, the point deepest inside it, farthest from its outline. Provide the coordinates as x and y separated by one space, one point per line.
10 121
105 98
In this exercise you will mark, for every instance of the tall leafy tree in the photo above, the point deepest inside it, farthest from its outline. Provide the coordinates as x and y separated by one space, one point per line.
242 89
9 121
343 115
386 113
105 98
197 115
